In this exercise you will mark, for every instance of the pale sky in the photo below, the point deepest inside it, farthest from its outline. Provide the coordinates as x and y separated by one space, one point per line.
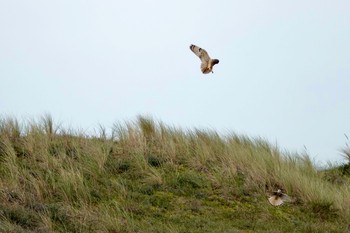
284 72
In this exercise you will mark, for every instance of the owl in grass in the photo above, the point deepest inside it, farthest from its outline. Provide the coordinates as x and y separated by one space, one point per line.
278 198
207 62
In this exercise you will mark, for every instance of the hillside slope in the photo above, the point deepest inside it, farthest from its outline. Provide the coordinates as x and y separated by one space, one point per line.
148 177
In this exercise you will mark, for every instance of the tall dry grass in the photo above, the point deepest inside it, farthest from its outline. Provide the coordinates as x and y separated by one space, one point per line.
54 179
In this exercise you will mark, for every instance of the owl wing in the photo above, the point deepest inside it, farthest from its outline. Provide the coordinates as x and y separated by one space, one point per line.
201 53
275 200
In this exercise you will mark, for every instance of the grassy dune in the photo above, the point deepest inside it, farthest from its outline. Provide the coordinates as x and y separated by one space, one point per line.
149 177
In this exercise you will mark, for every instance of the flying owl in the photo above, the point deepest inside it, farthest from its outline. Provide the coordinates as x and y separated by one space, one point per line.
207 62
278 198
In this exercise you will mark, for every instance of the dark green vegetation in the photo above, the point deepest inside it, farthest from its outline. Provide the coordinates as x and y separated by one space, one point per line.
148 177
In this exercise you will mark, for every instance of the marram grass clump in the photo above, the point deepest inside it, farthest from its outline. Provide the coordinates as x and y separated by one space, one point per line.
148 177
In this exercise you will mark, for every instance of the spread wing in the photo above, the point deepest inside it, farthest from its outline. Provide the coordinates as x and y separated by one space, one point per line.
275 200
201 53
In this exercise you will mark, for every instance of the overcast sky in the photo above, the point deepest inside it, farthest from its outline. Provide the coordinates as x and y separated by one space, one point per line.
284 72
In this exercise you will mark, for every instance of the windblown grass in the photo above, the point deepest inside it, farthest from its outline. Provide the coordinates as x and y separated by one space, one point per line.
149 177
